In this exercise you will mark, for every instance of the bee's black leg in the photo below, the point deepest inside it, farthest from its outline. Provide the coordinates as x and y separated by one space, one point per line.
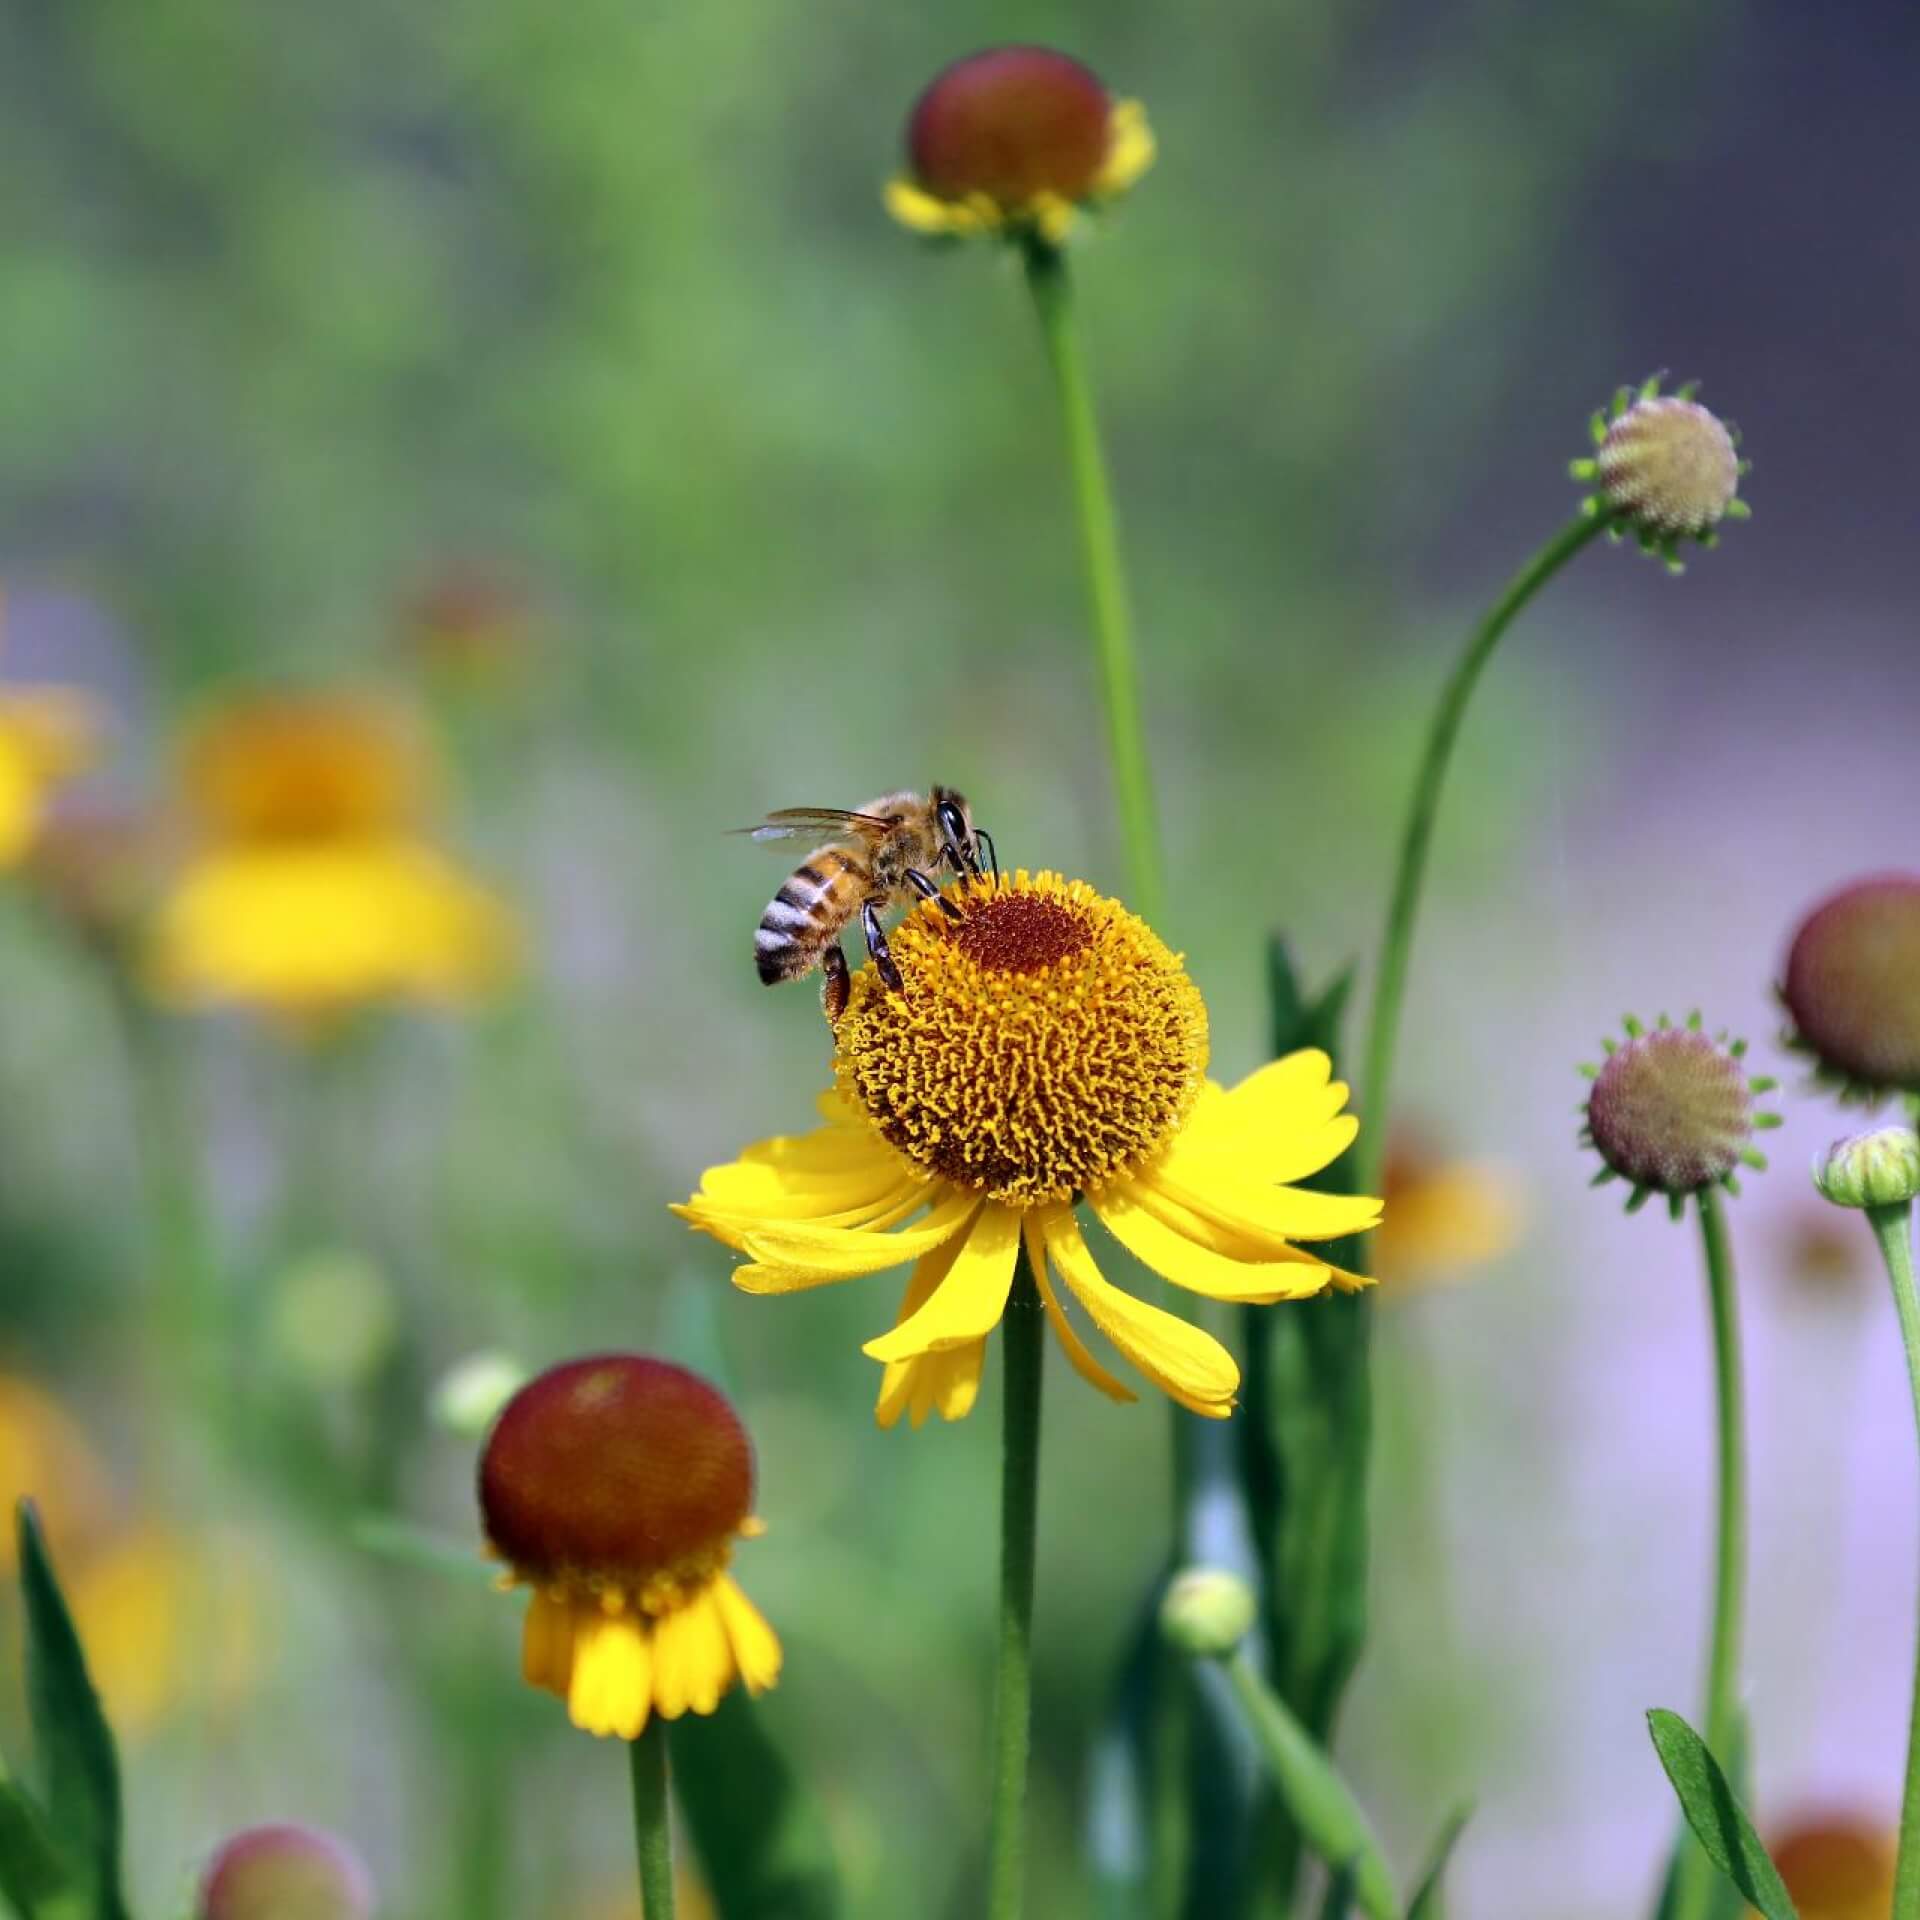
926 889
877 946
985 839
838 983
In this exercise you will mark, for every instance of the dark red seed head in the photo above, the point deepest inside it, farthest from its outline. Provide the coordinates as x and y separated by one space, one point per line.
1011 123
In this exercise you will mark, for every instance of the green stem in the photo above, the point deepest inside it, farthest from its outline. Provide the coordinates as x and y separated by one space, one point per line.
1024 1332
1695 1891
1052 288
1416 839
1893 1228
649 1757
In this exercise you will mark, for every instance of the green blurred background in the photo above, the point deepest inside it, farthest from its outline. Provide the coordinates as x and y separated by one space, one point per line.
309 312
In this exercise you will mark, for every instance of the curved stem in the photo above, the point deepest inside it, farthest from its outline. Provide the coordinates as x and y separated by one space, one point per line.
1893 1228
1396 945
1023 1330
1697 1880
1052 289
648 1755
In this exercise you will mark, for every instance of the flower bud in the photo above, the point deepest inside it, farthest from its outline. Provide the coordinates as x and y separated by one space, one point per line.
285 1873
1207 1612
1852 985
1877 1169
469 1395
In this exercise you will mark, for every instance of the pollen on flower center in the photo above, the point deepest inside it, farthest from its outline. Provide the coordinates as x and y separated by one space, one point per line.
1045 1043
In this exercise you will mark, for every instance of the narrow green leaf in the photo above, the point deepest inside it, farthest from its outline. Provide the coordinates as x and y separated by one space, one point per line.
1716 1816
32 1873
1321 1803
1726 1903
79 1768
1338 1904
1430 1901
760 1834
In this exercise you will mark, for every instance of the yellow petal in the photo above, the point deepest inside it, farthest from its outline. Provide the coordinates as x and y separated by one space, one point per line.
612 1689
1130 149
1270 1215
733 1226
924 212
546 1644
692 1657
902 1377
795 1255
756 1650
1194 1266
968 1303
1082 1361
1187 1365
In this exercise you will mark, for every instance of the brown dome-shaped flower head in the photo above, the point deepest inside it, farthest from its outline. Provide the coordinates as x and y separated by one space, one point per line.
1672 1111
1664 468
1014 139
1852 986
1836 1866
285 1872
615 1487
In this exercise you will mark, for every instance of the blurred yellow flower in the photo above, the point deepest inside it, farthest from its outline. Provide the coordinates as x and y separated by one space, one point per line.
1836 1866
1045 1048
46 1458
1444 1217
615 1487
165 1627
313 891
46 734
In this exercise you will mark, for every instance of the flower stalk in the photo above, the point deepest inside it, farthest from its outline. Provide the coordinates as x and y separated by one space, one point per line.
1698 1877
1025 1331
1050 282
648 1758
1416 840
1893 1228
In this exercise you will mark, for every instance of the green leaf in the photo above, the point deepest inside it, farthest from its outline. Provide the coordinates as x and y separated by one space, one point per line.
760 1834
1429 1901
1726 1903
33 1876
1338 1904
79 1768
1321 1803
1306 1444
1716 1816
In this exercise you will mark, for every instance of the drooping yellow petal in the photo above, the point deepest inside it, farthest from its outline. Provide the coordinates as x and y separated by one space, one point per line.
1252 1248
1188 1263
1130 149
612 1687
692 1658
546 1643
1082 1361
906 1383
927 213
1186 1364
756 1650
1266 1214
968 1303
733 1226
788 1257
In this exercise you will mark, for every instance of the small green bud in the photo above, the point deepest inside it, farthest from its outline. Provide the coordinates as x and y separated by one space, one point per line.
1207 1612
469 1395
1877 1169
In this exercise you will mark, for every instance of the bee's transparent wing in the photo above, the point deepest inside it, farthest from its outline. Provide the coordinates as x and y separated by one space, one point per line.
802 823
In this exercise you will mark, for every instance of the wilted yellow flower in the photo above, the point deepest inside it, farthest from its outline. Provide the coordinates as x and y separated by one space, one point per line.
1836 1867
314 890
1013 141
1045 1048
615 1487
1444 1218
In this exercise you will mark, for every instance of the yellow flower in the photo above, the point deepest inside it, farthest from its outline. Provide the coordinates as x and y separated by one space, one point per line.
46 734
1046 1048
1443 1217
1015 140
615 1488
1836 1866
314 890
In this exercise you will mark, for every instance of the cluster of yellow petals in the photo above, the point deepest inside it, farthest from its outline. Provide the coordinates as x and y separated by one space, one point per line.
1130 152
314 889
617 1657
1210 1204
46 735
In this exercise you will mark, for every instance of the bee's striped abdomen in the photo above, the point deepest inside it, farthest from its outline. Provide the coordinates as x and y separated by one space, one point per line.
802 917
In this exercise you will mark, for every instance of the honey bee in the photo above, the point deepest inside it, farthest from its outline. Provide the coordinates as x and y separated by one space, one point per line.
871 858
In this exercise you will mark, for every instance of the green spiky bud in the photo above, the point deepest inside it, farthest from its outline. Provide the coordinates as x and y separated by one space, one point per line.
1877 1169
1207 1612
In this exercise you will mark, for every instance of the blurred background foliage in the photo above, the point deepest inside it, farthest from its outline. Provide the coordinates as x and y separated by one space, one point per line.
556 371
